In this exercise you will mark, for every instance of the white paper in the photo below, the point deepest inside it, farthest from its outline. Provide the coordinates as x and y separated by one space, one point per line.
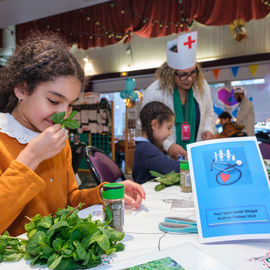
84 116
186 255
92 114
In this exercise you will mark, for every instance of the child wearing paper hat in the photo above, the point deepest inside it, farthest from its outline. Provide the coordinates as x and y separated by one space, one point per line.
181 86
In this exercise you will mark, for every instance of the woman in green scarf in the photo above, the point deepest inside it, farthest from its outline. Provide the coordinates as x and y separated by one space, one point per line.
180 85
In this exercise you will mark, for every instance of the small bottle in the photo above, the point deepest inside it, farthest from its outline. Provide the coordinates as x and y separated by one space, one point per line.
113 200
185 176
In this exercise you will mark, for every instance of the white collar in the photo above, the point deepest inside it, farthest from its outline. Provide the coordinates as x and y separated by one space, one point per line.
10 126
141 139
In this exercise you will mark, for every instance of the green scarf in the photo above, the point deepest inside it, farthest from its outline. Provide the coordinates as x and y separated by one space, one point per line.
181 117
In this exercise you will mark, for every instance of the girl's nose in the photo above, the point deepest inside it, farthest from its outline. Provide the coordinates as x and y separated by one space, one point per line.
66 109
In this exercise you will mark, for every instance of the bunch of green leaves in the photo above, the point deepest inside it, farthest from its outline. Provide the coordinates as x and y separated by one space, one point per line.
59 118
166 180
11 248
64 241
267 166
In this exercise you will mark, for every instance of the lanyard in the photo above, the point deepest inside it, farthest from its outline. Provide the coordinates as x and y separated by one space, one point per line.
186 115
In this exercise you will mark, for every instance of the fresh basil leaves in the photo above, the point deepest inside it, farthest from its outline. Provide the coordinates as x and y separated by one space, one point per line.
166 180
63 241
59 118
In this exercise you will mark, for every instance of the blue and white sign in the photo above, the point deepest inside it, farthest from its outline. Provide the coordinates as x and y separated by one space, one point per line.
231 189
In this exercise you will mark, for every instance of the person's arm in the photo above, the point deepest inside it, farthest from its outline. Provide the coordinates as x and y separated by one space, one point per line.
251 121
134 193
19 183
18 186
176 150
242 114
44 146
209 124
157 161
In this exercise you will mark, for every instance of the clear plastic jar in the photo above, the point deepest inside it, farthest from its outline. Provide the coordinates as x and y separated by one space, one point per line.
113 201
185 176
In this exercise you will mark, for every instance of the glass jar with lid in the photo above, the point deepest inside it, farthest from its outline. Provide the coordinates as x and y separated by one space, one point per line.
113 200
185 181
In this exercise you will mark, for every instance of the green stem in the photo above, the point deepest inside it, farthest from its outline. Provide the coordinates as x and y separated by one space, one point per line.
11 237
77 207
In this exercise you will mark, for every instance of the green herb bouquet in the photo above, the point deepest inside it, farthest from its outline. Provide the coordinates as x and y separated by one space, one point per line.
166 180
63 241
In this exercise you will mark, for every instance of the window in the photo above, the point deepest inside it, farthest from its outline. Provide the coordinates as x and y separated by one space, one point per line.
119 112
247 82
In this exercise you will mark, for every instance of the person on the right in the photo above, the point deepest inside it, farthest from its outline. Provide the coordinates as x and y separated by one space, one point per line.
245 114
230 129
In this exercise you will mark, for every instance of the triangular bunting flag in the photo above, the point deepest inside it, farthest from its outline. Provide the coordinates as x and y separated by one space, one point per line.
253 69
216 72
234 71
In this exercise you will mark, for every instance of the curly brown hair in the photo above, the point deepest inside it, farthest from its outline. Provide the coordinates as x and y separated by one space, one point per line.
165 75
39 58
154 110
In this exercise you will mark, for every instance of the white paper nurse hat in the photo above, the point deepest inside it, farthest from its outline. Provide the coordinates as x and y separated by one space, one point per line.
185 56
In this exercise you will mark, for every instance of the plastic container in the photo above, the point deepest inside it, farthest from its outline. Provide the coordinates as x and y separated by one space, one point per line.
185 176
113 200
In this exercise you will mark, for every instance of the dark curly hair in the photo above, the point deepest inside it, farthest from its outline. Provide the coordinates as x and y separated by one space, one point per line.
40 58
225 115
154 110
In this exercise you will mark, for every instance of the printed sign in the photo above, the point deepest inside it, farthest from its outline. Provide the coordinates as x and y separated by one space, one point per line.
231 189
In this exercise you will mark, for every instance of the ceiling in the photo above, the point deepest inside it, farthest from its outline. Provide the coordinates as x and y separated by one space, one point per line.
20 11
216 42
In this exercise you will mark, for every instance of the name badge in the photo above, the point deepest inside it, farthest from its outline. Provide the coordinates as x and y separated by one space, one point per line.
185 132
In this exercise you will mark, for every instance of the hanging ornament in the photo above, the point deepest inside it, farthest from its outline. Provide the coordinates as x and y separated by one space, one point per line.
238 30
129 95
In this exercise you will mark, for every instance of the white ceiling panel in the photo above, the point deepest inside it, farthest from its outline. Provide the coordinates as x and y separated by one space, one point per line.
20 11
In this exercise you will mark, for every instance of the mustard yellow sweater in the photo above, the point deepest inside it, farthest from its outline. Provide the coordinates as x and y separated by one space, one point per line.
24 192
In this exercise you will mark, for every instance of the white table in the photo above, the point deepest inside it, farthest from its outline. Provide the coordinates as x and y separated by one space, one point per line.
142 235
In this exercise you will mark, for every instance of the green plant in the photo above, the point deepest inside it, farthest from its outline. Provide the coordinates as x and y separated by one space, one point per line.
267 166
64 241
59 118
166 180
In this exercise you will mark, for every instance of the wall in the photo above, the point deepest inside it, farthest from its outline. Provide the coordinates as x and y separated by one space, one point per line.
258 92
215 42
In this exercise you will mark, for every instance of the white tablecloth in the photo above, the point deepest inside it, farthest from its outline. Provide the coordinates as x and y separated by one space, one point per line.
143 236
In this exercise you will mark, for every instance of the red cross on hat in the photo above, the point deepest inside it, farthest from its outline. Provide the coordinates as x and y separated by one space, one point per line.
185 56
189 42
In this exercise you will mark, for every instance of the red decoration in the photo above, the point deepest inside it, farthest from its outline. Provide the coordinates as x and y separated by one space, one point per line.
216 72
189 42
112 21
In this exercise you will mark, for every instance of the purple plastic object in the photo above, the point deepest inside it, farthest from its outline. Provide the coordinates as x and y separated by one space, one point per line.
226 97
104 169
107 170
265 150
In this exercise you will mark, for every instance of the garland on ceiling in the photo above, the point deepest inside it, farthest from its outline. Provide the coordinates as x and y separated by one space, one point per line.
183 25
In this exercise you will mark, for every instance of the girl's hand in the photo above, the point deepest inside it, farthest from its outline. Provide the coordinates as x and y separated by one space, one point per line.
176 150
46 145
134 193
